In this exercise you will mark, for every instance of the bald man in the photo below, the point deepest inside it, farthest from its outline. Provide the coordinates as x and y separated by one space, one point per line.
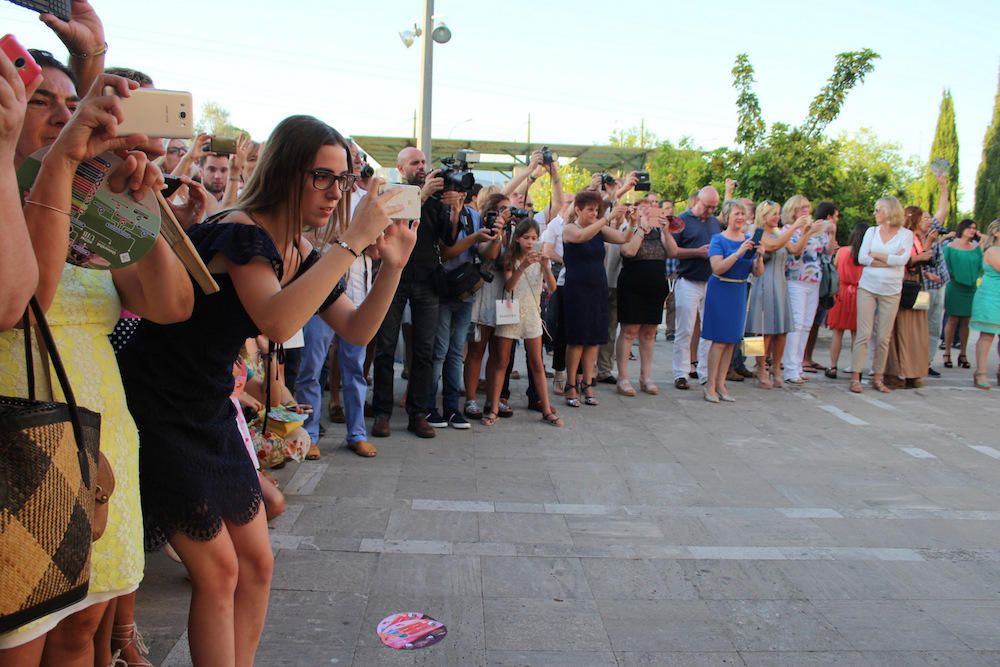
417 287
693 272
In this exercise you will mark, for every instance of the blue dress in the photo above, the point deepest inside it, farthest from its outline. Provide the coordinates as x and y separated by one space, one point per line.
585 294
726 302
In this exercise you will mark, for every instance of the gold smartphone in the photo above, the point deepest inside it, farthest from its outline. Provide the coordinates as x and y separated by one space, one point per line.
164 114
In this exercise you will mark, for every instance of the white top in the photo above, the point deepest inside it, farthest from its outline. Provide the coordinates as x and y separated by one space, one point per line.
554 234
359 279
885 280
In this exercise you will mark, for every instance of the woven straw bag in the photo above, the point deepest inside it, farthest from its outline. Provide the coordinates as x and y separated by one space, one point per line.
48 480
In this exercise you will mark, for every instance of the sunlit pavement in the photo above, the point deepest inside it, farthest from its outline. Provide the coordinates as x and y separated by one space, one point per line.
803 526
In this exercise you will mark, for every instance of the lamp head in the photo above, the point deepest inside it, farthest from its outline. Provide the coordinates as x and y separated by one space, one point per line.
441 33
409 36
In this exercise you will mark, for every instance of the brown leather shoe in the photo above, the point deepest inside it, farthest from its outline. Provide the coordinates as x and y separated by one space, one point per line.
380 429
733 376
419 426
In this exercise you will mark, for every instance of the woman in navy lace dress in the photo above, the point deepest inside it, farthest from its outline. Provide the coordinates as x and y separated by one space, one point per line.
199 488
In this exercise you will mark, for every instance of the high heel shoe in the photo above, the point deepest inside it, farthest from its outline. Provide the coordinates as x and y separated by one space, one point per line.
777 382
984 384
648 387
947 361
588 394
763 381
963 362
571 401
127 636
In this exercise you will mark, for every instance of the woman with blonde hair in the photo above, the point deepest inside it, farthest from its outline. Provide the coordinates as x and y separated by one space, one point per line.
803 271
908 352
986 304
885 252
770 312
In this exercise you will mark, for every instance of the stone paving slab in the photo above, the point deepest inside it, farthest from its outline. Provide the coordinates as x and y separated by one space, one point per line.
795 527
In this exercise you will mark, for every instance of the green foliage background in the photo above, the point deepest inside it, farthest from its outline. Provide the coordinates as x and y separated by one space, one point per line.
988 176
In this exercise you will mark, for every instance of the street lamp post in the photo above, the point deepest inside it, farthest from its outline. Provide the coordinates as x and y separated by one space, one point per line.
426 77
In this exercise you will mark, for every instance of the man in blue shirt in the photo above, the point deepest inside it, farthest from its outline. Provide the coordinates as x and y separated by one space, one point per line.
693 272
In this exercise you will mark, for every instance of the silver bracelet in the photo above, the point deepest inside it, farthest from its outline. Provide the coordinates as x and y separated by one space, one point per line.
343 244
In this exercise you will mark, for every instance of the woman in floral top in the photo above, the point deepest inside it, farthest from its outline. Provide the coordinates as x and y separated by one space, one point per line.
803 272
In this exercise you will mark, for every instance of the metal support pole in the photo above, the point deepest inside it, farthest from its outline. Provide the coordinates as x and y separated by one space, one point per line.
426 76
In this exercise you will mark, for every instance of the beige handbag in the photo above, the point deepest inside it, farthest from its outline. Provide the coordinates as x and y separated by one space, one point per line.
753 346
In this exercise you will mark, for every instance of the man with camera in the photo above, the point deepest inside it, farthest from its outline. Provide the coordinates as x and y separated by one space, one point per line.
418 287
467 243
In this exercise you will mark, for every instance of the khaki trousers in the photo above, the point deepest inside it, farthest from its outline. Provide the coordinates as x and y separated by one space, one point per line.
876 316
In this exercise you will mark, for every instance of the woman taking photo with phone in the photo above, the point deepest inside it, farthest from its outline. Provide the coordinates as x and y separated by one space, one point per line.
770 314
964 259
199 488
585 302
733 258
642 292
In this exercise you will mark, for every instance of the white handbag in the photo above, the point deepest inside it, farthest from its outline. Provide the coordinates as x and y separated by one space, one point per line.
508 311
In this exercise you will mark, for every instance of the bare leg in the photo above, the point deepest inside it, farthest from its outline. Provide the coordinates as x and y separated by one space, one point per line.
625 337
214 571
533 355
474 362
71 643
949 337
714 360
25 655
253 586
647 344
125 635
588 359
964 336
835 344
499 351
983 352
724 360
574 353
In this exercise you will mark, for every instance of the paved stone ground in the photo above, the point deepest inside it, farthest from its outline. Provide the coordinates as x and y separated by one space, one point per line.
794 527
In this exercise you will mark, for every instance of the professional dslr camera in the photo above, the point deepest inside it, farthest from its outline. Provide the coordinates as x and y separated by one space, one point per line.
606 180
547 157
457 173
367 171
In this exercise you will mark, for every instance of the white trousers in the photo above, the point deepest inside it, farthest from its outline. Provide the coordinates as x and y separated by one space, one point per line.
689 300
803 297
935 315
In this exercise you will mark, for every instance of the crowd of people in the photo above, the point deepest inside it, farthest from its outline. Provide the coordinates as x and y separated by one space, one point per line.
319 275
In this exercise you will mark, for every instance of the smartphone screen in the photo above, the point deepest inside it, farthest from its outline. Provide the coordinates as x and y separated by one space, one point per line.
758 234
173 183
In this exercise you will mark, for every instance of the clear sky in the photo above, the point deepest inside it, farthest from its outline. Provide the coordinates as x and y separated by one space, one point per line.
581 68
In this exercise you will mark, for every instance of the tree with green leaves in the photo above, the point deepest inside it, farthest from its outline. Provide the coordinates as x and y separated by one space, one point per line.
987 206
945 146
214 120
750 126
850 70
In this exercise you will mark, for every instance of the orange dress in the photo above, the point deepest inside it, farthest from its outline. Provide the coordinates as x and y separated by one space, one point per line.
844 314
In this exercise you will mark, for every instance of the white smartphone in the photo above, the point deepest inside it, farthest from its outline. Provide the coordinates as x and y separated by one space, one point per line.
164 114
409 198
537 246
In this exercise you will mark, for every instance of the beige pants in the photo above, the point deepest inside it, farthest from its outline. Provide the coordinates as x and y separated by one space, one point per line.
879 312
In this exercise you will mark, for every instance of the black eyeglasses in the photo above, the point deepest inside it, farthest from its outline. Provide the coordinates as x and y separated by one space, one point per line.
324 180
175 150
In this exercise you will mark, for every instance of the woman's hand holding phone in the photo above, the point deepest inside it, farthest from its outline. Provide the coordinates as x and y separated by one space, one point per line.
372 216
13 102
93 128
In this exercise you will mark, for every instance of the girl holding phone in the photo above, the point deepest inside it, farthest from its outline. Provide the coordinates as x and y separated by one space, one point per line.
199 488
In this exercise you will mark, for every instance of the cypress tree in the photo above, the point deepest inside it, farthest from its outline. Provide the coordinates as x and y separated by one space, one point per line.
945 145
988 177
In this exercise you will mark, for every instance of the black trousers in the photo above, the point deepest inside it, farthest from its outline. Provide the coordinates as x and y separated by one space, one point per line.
423 300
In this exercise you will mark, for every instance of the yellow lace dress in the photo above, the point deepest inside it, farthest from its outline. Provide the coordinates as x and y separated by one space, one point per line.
85 310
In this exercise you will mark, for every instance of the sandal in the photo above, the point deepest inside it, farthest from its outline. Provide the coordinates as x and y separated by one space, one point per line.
763 381
123 637
831 373
504 411
552 419
777 382
571 401
489 419
313 454
879 385
648 387
963 362
856 387
588 398
981 385
947 361
625 388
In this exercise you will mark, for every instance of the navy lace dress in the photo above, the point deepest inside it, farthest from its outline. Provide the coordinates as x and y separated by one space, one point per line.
194 470
585 294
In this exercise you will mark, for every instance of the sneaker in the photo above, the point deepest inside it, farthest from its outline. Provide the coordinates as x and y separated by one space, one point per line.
456 420
435 419
472 410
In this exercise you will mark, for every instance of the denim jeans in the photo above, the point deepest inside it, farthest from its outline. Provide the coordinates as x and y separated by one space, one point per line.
308 388
449 352
423 300
355 388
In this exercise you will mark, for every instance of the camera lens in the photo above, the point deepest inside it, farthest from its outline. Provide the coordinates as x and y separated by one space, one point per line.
184 114
19 63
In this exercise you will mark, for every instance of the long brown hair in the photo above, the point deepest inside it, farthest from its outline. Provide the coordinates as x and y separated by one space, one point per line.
277 182
513 253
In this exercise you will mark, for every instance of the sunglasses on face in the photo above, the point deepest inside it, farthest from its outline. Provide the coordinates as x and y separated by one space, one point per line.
324 180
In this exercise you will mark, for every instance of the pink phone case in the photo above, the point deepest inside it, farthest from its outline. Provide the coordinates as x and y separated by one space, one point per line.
26 66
